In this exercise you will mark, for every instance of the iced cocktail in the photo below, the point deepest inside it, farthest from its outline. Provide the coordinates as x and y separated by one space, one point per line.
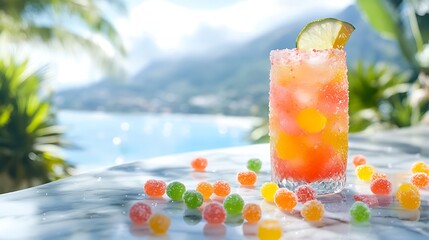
309 118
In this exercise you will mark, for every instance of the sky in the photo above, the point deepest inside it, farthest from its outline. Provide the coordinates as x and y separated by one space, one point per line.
169 28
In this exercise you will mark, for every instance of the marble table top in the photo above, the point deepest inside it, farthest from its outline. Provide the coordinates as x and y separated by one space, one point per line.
95 205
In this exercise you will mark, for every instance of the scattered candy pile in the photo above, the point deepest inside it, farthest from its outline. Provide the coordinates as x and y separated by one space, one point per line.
213 212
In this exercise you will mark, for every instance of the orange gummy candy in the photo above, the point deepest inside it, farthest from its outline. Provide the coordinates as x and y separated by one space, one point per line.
376 176
199 163
252 212
247 178
420 180
221 188
359 160
205 188
285 199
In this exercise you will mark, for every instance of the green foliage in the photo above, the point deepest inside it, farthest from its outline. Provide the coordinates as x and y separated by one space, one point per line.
29 134
405 21
378 97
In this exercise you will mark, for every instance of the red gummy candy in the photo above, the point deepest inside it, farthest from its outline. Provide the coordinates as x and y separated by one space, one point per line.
140 213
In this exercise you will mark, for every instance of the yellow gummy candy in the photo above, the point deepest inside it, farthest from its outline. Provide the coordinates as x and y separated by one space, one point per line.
364 172
408 196
311 120
270 229
420 166
268 190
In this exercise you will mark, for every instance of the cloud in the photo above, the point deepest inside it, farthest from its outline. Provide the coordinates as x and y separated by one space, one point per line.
158 28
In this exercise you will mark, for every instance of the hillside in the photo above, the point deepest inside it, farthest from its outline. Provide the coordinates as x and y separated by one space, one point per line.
233 80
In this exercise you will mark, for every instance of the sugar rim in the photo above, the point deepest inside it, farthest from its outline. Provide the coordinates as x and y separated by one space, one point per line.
286 56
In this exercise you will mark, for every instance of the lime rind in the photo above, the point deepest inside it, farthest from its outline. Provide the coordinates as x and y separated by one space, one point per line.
324 34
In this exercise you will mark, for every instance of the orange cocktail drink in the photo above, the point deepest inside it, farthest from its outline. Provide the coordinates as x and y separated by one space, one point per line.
309 118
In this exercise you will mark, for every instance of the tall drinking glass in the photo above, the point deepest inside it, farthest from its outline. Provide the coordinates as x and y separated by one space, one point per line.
309 118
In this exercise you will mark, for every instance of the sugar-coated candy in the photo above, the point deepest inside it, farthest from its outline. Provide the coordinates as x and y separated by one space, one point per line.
404 188
155 188
360 212
381 186
285 199
370 200
268 190
247 178
420 179
269 229
254 164
193 198
221 188
175 190
408 196
159 223
199 163
313 210
252 212
376 176
233 204
140 212
205 188
305 193
364 172
359 160
420 166
214 213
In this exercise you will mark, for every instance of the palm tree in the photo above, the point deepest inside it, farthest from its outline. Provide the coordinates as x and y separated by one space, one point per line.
28 131
71 24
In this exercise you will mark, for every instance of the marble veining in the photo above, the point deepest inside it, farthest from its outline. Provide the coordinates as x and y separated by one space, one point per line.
95 205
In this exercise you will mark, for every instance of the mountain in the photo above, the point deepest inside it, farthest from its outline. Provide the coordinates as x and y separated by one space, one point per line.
233 80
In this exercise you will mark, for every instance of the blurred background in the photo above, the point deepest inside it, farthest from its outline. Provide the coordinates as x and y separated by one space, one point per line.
86 84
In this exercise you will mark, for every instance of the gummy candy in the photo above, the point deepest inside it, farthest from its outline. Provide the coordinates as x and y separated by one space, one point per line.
312 210
175 190
214 213
268 190
270 229
405 187
233 204
370 200
408 196
359 160
252 212
205 188
221 188
254 164
193 198
285 199
381 186
420 166
140 212
305 193
420 180
376 176
199 164
360 212
364 172
159 223
155 188
247 178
